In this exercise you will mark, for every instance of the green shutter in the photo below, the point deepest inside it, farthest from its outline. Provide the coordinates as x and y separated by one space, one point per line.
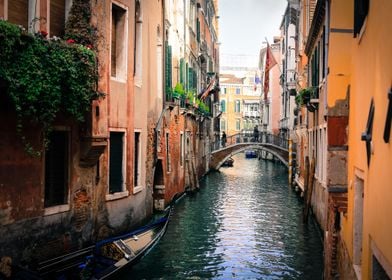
168 69
186 85
190 78
194 79
182 71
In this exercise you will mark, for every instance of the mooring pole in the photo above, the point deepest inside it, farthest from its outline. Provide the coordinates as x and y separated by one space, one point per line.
290 161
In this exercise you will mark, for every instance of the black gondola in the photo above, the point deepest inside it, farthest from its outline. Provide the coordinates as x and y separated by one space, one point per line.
107 257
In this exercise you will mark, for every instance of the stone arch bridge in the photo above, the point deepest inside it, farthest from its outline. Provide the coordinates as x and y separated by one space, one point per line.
240 142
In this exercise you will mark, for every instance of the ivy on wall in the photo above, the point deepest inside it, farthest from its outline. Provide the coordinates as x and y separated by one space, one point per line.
45 77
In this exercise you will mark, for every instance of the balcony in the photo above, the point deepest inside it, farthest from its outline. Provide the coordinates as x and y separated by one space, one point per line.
251 114
283 124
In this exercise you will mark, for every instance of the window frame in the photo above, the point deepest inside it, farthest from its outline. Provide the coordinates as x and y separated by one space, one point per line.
54 209
124 192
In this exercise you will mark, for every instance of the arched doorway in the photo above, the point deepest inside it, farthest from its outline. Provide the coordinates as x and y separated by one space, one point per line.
159 187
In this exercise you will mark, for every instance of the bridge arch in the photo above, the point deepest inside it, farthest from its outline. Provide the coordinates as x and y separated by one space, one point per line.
221 155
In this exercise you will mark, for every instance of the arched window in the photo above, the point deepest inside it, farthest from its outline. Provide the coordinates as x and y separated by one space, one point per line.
223 105
237 106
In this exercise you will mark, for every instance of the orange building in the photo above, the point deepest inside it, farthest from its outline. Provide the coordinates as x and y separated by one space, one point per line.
366 247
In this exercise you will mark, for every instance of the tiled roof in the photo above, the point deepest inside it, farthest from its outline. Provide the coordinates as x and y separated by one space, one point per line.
230 79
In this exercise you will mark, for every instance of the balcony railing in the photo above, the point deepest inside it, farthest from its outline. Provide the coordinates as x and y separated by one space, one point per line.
249 137
251 114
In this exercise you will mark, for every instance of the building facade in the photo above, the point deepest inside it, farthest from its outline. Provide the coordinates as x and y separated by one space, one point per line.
337 164
239 103
138 145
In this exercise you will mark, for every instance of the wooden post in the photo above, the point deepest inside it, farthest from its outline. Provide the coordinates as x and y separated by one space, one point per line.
309 191
290 161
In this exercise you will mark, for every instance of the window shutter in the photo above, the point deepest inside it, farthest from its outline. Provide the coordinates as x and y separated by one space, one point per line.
18 12
186 85
190 77
182 71
168 67
57 17
194 79
198 30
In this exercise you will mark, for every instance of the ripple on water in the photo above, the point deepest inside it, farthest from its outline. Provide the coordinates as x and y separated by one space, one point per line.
244 223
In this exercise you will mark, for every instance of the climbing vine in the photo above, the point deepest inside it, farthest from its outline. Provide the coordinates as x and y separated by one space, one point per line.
45 77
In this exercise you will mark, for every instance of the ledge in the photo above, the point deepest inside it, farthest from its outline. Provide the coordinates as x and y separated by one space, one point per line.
56 209
117 195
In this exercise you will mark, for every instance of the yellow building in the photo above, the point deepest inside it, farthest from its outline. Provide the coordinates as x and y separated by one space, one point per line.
240 102
367 227
348 132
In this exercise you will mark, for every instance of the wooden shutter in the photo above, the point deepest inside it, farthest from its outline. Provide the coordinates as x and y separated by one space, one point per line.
198 30
57 17
116 162
56 169
18 12
168 67
182 71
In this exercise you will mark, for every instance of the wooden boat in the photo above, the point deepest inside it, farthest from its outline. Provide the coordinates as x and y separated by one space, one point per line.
250 154
107 257
229 162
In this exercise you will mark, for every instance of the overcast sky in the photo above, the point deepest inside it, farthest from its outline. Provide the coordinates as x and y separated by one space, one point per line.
244 24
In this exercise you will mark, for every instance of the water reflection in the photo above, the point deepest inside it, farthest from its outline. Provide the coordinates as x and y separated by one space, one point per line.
244 223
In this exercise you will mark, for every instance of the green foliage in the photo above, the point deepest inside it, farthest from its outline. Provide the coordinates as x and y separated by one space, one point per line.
202 107
304 95
179 91
46 77
78 27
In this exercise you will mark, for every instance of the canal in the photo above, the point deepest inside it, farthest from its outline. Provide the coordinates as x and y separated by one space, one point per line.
244 223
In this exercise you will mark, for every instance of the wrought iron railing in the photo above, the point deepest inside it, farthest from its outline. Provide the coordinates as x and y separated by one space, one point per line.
249 137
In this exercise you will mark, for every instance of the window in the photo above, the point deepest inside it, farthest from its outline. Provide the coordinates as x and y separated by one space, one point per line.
182 150
361 9
56 169
118 43
168 70
237 106
116 162
138 43
238 124
237 91
18 12
378 271
223 106
57 17
137 160
224 90
168 164
223 125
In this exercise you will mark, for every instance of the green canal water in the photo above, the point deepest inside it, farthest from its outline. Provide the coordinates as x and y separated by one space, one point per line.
244 223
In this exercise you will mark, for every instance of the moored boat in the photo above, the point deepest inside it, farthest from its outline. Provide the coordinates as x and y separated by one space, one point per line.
229 162
250 154
105 259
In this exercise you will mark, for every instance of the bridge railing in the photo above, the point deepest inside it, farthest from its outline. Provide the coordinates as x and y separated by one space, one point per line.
248 137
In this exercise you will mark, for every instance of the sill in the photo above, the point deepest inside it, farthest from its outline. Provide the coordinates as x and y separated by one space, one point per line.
56 209
357 270
117 195
119 80
137 189
138 82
